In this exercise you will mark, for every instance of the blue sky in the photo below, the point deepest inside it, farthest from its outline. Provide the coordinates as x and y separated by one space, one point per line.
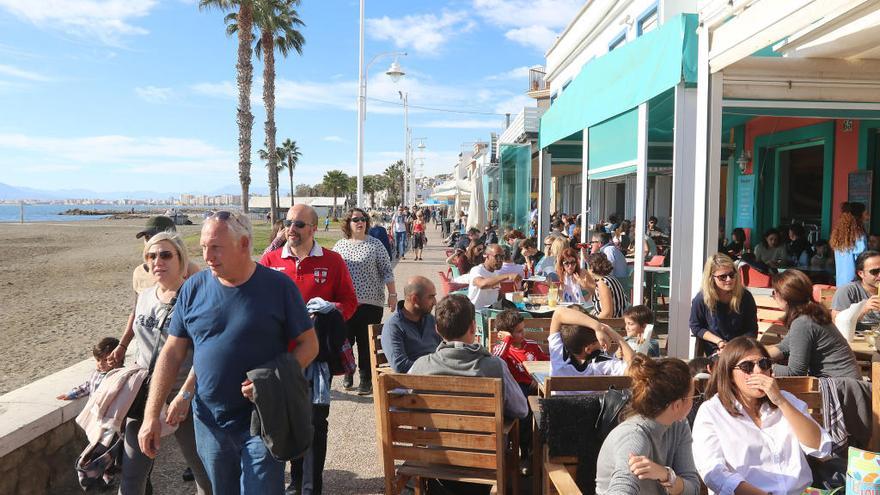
114 95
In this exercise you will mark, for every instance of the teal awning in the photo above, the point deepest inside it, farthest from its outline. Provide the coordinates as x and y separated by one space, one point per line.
624 78
612 147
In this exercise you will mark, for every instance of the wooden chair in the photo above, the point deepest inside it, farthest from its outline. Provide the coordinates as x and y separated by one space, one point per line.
805 388
446 427
537 329
770 319
378 359
824 294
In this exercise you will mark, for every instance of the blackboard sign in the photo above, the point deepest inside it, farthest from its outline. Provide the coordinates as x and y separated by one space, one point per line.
745 202
859 187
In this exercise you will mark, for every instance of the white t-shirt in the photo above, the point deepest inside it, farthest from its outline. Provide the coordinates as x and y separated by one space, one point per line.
481 297
511 268
561 364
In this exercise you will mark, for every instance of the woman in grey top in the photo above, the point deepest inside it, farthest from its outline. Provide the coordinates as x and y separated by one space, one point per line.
166 259
370 269
650 452
813 345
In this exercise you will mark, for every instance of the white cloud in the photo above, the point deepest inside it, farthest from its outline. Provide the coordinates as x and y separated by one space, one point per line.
462 124
108 21
333 139
424 33
8 70
514 104
153 94
519 73
532 23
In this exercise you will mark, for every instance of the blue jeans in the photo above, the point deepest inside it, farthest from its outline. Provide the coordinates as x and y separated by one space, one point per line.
400 240
238 463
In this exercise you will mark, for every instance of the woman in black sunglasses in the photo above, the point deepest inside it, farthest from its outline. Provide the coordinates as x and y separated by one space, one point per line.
723 309
750 436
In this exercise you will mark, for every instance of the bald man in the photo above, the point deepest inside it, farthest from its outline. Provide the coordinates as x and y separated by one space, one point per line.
411 331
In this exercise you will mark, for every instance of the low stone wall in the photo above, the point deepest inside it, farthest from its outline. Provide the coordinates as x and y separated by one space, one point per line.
39 440
45 464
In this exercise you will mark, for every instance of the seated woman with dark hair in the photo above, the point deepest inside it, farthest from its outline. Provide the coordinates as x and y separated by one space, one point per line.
771 251
466 259
650 452
609 297
749 436
737 245
798 247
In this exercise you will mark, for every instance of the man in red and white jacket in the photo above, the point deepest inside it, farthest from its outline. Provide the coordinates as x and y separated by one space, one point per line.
323 279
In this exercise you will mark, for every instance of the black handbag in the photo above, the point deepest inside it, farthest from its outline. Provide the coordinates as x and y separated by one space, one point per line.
136 411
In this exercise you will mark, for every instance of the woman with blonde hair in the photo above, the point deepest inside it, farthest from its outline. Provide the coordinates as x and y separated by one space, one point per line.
723 309
650 451
848 240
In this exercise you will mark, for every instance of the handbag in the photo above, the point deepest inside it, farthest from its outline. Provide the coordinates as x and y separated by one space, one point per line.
136 411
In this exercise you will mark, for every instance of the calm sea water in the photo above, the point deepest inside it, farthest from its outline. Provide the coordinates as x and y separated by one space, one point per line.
50 213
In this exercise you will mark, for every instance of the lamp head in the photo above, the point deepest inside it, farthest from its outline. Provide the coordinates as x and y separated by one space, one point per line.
395 72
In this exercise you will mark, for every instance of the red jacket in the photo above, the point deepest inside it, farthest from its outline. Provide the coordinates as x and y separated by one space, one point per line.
515 356
323 273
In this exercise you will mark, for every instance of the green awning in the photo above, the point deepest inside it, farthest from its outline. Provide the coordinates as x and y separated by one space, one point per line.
624 78
613 143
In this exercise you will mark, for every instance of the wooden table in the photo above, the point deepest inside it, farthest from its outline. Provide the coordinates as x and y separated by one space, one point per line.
862 348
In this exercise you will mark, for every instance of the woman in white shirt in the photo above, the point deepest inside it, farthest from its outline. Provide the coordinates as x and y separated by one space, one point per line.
750 437
574 279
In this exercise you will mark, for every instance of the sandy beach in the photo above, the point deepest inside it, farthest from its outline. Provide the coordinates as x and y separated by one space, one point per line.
63 286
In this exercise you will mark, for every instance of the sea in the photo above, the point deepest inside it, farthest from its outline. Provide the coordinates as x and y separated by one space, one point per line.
52 213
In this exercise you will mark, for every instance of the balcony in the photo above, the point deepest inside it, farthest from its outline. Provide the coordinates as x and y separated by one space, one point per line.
523 127
538 83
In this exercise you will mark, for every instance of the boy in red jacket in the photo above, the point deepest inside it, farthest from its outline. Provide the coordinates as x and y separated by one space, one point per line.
515 349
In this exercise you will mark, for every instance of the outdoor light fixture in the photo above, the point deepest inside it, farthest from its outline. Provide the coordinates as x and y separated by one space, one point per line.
395 72
745 157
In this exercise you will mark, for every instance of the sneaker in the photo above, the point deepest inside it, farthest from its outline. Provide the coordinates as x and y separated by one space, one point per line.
365 388
188 475
348 382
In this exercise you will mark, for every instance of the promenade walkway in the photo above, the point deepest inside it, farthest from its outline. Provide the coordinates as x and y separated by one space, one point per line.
353 464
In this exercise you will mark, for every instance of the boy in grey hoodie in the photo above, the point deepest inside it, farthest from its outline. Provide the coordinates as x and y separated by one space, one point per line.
458 355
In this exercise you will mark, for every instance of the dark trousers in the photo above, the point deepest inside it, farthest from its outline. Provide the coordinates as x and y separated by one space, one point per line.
307 472
525 425
364 316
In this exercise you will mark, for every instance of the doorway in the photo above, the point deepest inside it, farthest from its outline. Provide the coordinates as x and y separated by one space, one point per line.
800 183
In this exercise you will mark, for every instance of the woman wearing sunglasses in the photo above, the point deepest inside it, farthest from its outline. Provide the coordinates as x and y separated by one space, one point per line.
749 436
370 269
650 452
723 309
574 279
166 258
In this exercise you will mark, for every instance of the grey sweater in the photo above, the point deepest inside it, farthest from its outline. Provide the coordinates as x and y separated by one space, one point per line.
665 445
460 359
816 350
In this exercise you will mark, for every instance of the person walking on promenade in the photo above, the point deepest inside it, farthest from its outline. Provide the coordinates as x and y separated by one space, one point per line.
398 225
237 316
371 272
323 280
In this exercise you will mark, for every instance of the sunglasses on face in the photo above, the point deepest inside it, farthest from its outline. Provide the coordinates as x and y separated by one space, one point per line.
569 263
874 271
163 255
748 367
358 219
296 223
726 276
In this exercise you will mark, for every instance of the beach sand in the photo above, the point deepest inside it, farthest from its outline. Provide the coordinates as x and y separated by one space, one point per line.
63 286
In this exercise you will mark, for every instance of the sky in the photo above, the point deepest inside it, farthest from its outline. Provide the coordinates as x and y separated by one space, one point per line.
121 95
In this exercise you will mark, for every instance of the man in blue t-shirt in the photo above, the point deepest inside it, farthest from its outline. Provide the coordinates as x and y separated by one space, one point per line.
237 317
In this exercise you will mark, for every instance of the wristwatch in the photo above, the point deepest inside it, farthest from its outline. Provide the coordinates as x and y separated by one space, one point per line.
186 395
670 478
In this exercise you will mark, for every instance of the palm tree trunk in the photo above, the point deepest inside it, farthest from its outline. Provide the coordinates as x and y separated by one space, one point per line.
244 78
269 102
290 172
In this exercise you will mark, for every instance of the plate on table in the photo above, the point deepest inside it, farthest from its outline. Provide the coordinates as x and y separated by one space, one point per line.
566 304
536 278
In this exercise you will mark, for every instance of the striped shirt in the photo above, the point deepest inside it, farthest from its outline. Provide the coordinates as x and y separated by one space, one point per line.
618 295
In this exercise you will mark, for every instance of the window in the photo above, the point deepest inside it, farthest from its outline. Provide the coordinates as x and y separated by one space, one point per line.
648 21
553 97
566 85
617 41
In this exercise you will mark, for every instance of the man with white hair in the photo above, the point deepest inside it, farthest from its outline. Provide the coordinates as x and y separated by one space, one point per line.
237 316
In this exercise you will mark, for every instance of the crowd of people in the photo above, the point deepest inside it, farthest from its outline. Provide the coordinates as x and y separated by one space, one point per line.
201 334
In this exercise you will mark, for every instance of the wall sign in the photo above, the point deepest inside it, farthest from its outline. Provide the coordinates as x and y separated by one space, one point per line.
859 187
745 202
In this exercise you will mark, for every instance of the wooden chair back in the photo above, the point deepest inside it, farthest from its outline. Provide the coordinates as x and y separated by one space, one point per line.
444 427
378 359
805 388
584 384
770 319
824 294
537 329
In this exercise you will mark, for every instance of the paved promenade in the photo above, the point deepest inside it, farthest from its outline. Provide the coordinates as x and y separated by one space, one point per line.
353 464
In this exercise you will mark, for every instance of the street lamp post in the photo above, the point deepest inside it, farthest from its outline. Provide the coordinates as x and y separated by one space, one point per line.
395 73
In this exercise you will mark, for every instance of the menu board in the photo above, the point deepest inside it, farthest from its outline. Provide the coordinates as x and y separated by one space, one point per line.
859 187
745 202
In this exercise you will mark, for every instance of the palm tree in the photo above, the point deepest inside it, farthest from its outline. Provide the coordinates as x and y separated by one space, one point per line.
395 176
291 157
244 78
336 182
277 21
273 192
372 185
